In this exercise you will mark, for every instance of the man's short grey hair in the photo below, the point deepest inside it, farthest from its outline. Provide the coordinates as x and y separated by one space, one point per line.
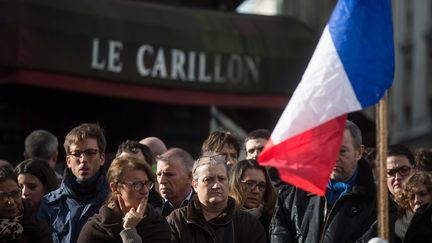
355 133
178 154
40 144
207 160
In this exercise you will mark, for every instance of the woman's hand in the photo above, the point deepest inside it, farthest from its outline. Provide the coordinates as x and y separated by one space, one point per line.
133 217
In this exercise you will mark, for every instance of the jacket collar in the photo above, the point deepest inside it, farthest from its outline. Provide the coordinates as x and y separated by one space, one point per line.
195 215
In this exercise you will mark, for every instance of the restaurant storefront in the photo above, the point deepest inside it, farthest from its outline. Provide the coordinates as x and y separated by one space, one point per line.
142 69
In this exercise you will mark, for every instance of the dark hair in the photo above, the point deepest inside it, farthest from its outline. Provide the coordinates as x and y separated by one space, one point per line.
423 159
7 174
258 133
40 144
401 150
84 131
133 146
216 140
40 169
236 191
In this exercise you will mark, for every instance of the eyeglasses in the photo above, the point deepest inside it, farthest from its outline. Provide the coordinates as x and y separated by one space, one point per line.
15 195
402 170
138 185
251 185
89 153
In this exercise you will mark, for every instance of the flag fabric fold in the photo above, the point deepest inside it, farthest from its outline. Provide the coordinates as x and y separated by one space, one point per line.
351 68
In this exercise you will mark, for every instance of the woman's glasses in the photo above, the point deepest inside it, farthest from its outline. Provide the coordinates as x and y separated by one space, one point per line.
15 195
251 185
138 185
402 170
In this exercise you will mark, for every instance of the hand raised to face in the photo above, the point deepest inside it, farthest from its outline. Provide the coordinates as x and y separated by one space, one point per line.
132 217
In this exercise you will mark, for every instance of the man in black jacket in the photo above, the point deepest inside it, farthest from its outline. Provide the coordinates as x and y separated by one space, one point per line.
346 212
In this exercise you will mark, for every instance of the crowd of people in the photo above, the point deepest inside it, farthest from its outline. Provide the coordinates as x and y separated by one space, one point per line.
153 193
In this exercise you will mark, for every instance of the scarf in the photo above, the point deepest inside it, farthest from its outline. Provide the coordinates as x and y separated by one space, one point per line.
83 189
11 229
402 223
257 212
336 190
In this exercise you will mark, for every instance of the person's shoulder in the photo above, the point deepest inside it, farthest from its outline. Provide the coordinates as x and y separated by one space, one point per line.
53 196
179 214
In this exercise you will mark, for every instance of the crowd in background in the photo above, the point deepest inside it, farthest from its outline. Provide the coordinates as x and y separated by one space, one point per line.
153 193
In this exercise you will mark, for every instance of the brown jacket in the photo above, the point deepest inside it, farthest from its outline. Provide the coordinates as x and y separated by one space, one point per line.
231 226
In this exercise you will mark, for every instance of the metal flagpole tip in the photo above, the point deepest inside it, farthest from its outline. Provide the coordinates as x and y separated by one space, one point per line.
377 240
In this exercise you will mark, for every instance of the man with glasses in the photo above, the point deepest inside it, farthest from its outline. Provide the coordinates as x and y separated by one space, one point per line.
174 175
84 187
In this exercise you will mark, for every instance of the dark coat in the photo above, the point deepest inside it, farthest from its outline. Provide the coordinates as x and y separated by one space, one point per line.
105 227
232 226
164 207
300 216
420 227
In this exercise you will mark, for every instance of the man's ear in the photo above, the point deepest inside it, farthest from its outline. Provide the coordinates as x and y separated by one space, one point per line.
359 152
195 185
113 186
102 159
68 161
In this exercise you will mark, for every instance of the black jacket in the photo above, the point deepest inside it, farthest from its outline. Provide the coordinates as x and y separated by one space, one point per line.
231 226
420 227
299 215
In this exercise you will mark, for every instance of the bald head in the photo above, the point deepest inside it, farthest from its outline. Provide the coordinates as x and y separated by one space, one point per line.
155 144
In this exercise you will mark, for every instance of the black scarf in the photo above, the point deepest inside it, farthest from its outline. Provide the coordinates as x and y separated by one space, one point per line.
86 189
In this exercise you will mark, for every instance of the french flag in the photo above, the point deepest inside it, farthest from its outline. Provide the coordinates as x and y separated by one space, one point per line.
351 68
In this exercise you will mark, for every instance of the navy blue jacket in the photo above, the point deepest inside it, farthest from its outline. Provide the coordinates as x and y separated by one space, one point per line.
66 214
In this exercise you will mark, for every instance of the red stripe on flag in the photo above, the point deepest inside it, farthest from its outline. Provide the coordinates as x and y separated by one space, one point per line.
307 160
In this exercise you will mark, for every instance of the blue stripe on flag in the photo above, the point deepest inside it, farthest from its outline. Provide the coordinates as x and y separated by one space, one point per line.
362 33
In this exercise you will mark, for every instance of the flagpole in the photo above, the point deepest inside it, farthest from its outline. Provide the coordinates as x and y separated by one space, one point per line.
382 192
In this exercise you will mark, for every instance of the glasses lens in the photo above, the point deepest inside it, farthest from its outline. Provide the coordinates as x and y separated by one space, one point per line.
404 170
137 186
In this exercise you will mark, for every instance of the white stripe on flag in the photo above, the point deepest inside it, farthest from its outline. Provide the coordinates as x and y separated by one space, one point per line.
324 93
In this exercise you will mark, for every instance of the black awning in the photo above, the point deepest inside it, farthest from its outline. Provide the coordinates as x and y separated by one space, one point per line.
152 52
